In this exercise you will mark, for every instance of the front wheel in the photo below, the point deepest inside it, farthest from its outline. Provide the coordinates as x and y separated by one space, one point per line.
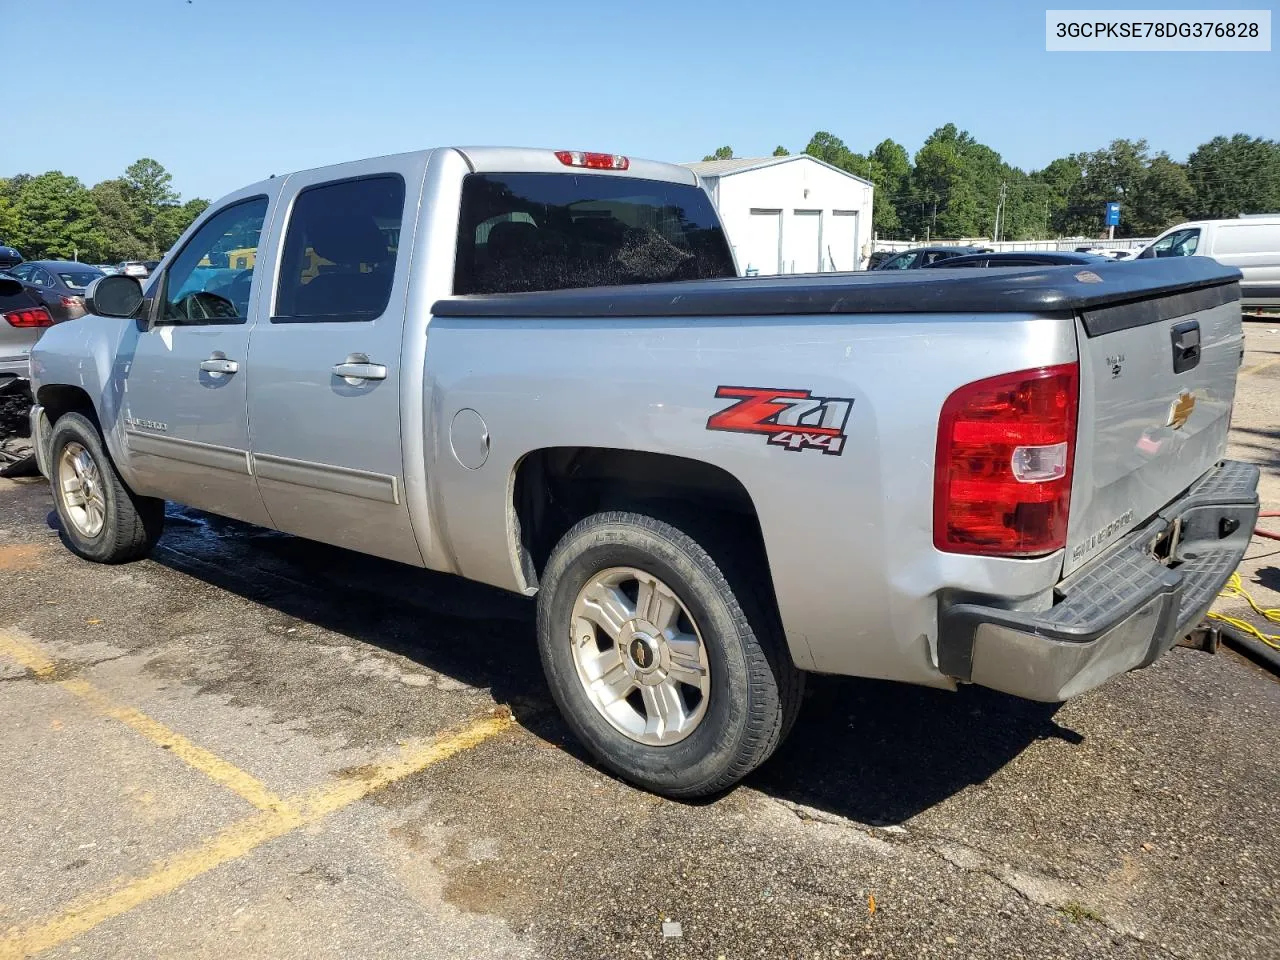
102 519
660 658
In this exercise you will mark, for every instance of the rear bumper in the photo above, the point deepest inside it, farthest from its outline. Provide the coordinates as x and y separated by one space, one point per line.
1121 611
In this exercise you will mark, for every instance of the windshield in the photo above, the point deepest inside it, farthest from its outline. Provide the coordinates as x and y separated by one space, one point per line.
79 279
550 231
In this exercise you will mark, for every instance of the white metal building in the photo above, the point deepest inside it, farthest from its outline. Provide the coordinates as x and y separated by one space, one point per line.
791 214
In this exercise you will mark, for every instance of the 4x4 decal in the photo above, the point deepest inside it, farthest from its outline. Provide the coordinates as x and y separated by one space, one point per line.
793 419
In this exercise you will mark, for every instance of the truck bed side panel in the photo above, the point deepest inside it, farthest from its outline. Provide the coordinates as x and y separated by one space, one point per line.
848 537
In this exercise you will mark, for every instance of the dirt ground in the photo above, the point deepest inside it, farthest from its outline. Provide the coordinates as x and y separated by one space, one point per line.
254 746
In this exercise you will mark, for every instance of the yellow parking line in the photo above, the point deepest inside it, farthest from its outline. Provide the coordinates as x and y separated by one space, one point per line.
1265 365
245 785
242 838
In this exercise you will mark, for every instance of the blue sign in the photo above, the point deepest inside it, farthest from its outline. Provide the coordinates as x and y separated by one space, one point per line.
1113 215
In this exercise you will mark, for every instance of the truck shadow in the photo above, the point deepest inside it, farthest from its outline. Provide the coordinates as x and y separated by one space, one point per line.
880 752
873 751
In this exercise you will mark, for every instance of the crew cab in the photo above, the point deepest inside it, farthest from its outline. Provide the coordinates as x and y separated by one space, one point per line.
538 370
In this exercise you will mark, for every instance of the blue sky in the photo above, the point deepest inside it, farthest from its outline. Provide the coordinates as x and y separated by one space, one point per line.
225 92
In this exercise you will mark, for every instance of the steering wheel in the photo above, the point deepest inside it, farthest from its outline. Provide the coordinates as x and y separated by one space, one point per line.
202 305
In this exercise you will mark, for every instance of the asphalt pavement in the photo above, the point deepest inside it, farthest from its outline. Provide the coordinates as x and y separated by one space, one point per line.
254 746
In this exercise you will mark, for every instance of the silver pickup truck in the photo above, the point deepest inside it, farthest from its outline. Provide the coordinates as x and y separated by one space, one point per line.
538 370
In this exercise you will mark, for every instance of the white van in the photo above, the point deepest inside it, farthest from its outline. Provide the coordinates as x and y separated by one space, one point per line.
1251 244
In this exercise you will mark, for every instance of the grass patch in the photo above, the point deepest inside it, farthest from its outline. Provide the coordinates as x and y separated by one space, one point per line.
1078 913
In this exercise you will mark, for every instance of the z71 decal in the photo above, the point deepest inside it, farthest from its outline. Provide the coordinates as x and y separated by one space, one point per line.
793 419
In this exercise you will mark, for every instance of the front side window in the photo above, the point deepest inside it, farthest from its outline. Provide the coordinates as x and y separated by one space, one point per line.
203 284
903 261
1180 243
339 254
552 231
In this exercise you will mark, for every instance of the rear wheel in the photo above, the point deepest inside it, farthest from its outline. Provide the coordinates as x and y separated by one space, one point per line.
102 519
659 657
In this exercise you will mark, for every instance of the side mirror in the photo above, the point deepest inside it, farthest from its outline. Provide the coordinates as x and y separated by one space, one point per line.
113 296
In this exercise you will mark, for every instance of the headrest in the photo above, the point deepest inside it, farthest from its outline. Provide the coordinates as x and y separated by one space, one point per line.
347 240
511 237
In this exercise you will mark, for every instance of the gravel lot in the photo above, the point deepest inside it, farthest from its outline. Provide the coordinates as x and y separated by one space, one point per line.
255 746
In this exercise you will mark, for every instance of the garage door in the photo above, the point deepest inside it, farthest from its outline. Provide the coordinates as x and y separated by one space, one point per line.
841 241
761 249
804 247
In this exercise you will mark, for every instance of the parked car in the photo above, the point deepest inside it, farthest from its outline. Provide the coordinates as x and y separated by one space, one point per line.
712 486
108 269
924 256
22 319
1108 252
58 284
135 268
9 258
1250 244
1020 258
878 257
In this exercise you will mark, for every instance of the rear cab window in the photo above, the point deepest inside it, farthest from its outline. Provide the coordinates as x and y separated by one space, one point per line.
521 232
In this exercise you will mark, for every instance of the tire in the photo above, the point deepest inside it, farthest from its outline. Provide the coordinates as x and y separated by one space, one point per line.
752 689
110 524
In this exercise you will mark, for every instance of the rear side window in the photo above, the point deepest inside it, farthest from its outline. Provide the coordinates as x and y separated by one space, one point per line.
551 231
340 252
1247 238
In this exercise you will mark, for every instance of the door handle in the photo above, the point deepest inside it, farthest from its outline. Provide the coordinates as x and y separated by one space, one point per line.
355 370
219 365
1185 339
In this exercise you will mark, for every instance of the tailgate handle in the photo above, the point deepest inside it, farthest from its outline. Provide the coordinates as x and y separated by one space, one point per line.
1185 337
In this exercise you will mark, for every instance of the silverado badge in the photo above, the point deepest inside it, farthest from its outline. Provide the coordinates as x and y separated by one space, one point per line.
1180 409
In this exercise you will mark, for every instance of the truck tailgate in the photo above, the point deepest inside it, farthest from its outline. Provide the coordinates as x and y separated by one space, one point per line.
1157 382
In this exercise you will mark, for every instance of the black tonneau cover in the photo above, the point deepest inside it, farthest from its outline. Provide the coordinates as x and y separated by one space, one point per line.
994 290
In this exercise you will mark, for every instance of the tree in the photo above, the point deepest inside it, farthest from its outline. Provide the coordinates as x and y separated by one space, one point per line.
118 220
151 183
148 187
55 218
1235 175
1162 197
942 184
831 149
722 153
175 219
1053 188
8 218
781 151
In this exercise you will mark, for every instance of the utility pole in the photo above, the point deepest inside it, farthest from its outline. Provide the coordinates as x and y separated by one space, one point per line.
1004 192
933 224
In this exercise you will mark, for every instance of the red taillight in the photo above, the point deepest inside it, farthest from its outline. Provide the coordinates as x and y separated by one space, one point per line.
30 317
592 161
1002 478
72 301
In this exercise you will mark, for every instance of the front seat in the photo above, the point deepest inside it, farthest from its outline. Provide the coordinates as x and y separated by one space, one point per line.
359 282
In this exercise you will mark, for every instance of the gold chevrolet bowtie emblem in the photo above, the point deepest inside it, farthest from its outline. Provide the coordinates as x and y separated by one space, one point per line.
1180 409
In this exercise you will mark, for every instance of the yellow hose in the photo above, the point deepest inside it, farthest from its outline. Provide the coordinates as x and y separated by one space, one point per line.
1234 589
